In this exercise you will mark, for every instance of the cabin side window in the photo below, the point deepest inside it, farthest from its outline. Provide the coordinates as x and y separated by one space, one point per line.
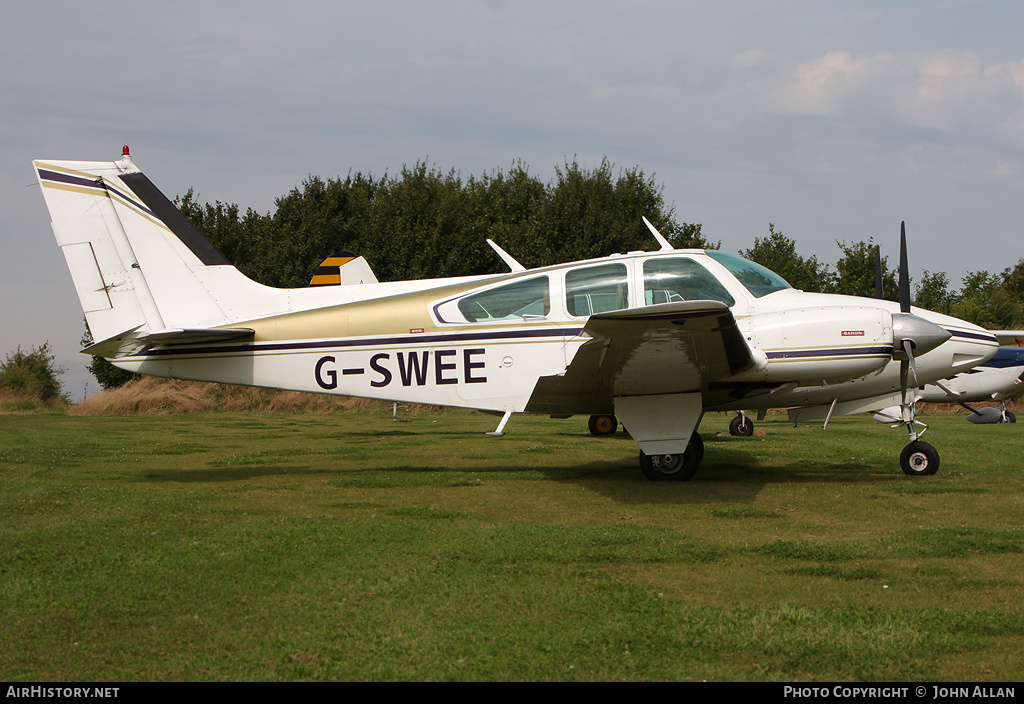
668 280
514 301
596 289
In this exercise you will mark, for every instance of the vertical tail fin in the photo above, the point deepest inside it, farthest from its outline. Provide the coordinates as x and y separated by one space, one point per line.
139 266
344 269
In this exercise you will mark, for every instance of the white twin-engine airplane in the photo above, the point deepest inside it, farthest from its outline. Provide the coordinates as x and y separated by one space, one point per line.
653 338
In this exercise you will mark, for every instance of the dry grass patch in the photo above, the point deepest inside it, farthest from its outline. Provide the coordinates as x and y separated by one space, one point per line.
152 395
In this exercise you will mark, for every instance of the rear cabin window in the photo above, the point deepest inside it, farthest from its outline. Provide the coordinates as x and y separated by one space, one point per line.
514 301
668 280
596 289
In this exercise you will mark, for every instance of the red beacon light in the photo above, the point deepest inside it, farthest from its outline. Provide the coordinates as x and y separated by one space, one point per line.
124 151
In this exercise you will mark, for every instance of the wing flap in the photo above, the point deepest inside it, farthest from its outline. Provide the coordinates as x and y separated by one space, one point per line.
662 349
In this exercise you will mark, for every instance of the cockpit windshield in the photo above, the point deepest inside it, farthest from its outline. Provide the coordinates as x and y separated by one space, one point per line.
757 279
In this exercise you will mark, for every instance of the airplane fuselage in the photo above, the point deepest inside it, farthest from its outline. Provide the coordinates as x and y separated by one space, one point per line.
436 341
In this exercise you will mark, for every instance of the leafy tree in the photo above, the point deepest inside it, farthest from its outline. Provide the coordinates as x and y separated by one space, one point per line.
685 235
426 223
32 373
857 271
239 238
933 293
503 206
986 301
593 213
1013 280
108 376
420 227
778 253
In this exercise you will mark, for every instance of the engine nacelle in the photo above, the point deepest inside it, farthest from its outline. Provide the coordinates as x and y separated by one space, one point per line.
824 345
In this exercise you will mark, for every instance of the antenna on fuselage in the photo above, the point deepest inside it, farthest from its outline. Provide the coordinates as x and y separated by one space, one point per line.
665 246
506 257
879 290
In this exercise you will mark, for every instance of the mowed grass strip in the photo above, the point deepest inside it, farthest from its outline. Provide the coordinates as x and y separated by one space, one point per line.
345 546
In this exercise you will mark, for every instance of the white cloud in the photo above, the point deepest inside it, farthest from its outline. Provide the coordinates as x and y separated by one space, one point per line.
940 90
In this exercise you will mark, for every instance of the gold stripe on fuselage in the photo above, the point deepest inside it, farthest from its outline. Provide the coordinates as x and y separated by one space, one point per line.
397 314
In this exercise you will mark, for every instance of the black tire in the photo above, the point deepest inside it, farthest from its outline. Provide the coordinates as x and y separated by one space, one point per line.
741 426
602 425
674 468
1010 417
919 459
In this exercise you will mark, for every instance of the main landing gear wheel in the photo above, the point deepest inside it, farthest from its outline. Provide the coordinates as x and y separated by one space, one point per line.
602 425
919 459
674 468
741 426
1010 417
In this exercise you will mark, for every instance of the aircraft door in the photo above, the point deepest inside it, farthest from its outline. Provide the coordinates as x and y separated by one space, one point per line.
509 341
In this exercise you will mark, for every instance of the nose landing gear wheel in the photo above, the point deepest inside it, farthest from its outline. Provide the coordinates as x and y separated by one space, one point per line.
675 467
919 459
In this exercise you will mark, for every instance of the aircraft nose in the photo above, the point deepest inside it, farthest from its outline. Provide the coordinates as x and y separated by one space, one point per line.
923 334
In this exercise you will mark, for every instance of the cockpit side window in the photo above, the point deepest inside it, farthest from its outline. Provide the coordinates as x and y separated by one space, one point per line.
669 279
596 289
757 279
514 301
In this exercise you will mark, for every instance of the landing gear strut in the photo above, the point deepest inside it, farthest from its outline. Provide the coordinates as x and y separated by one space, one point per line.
677 467
918 459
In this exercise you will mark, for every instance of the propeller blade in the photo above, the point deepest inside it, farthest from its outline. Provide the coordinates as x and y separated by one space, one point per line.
908 347
879 294
904 366
904 274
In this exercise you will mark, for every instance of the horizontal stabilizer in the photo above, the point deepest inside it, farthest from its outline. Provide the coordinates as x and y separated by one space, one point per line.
130 341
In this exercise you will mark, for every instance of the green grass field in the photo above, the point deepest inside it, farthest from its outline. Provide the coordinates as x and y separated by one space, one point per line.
345 546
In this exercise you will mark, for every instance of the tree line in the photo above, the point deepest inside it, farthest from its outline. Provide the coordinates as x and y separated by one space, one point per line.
426 223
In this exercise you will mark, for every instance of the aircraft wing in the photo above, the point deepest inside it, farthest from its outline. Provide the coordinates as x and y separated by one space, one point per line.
1009 338
131 341
668 348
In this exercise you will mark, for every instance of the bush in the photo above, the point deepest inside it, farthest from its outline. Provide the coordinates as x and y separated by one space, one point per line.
32 374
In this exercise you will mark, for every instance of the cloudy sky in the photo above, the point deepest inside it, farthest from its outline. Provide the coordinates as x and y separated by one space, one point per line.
833 120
